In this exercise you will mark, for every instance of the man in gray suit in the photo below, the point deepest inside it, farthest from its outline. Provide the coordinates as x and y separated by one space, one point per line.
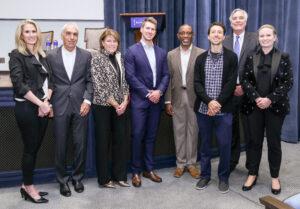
71 100
242 43
180 98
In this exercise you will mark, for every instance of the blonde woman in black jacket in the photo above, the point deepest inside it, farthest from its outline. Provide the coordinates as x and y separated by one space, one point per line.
32 86
267 79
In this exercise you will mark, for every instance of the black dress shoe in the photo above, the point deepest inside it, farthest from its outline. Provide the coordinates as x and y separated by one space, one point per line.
28 197
40 193
276 191
247 188
78 186
65 190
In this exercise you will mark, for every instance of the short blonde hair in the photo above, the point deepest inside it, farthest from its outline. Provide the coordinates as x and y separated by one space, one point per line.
109 32
267 26
151 20
21 45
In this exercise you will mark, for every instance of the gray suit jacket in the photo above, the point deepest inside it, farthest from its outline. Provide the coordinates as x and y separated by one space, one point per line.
174 91
72 91
250 46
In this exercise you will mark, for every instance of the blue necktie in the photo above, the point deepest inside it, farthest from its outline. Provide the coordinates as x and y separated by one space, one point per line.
237 46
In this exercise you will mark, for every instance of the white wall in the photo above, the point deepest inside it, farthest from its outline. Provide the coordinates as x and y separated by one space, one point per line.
8 29
13 11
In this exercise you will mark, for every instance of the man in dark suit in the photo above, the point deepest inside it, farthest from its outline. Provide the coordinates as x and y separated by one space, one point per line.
179 99
72 96
146 71
214 81
243 43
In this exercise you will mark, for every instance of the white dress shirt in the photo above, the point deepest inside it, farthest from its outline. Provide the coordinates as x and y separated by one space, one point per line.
69 62
152 59
184 58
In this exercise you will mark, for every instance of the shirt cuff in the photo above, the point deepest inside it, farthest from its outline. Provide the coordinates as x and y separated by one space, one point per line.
147 95
167 102
87 101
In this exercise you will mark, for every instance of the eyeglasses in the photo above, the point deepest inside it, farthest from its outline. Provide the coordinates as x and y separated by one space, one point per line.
185 33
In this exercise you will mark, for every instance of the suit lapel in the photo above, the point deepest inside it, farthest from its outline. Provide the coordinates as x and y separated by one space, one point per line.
192 58
245 44
61 62
77 60
256 58
143 53
275 63
230 40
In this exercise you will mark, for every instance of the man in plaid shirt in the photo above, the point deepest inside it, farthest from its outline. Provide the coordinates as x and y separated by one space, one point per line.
214 81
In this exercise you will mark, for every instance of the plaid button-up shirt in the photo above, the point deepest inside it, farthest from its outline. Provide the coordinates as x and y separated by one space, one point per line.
213 79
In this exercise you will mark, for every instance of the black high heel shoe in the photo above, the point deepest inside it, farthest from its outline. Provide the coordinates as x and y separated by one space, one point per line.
248 188
276 191
22 190
27 196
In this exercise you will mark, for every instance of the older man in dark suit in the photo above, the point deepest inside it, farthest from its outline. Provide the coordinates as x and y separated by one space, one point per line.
146 71
242 43
72 96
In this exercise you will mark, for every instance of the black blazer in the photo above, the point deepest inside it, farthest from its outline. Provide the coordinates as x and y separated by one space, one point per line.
282 82
27 74
230 67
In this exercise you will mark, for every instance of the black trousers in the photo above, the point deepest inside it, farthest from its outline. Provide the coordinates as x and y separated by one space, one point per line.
258 121
70 122
107 121
238 119
32 130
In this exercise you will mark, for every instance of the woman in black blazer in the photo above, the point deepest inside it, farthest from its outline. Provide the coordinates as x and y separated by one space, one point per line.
267 79
109 105
31 79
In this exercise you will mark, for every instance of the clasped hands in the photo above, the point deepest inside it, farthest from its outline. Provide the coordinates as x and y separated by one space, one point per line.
120 108
44 109
263 102
213 108
154 96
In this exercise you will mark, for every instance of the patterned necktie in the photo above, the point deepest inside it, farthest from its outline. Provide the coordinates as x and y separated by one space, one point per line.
237 46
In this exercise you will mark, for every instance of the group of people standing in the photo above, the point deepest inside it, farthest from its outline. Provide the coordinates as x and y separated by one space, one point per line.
199 88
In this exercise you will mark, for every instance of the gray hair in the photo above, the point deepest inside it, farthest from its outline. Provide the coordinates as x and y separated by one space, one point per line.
68 24
236 10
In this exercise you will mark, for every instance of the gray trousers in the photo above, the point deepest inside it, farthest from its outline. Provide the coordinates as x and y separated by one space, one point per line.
185 133
70 123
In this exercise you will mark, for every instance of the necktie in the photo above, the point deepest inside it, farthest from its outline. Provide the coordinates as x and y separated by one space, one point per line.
237 46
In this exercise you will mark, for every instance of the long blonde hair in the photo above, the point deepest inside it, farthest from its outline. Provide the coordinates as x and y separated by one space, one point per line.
21 45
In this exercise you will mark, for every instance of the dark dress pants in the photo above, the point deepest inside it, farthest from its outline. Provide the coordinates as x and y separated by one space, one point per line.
223 126
70 121
32 130
107 121
144 126
258 121
237 119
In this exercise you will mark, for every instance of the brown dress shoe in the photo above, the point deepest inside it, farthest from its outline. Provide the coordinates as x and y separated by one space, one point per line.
136 180
178 172
195 173
152 176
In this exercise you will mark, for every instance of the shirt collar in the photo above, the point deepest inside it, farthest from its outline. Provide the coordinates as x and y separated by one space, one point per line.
65 51
219 54
187 51
145 45
241 35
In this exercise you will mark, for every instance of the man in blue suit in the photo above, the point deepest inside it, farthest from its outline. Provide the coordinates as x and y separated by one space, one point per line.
146 71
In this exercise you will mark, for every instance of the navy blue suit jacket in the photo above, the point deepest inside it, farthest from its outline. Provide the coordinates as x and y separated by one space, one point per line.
139 75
